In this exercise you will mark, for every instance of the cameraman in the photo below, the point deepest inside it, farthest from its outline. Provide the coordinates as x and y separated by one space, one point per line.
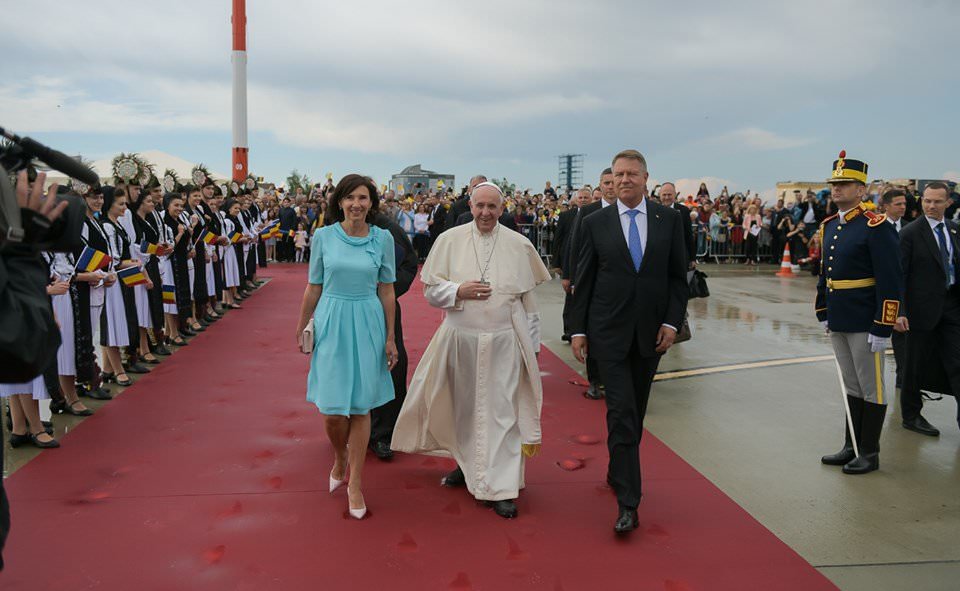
29 338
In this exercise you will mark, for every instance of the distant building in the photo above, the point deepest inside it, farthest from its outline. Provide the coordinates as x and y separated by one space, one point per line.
785 190
414 178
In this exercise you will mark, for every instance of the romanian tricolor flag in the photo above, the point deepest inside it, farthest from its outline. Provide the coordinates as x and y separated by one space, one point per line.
132 276
271 230
148 248
92 260
235 237
169 295
208 237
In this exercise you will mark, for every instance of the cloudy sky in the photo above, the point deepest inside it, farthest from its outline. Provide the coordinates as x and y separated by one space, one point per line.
738 93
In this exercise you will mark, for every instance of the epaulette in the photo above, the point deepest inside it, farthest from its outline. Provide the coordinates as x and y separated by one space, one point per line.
874 219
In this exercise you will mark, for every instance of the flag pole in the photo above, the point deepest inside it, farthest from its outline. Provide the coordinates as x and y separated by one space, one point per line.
239 60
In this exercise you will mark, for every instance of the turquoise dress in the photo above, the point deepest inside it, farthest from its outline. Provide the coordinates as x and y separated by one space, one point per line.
348 370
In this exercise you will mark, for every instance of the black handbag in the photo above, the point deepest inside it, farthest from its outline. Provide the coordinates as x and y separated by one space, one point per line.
698 285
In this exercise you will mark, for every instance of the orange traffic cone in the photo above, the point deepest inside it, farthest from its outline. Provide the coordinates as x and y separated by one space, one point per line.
786 267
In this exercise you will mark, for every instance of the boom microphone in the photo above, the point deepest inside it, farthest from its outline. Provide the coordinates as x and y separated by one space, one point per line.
54 158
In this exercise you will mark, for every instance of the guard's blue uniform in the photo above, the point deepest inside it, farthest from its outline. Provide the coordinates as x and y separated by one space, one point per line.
860 278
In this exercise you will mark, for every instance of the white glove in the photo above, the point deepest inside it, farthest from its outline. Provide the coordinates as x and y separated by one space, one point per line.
878 344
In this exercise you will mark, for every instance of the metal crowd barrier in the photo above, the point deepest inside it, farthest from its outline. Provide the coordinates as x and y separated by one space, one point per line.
730 243
542 237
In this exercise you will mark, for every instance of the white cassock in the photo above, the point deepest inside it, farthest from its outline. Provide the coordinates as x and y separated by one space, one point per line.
476 394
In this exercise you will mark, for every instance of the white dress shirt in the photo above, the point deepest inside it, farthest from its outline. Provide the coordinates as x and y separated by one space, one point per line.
946 233
898 224
641 222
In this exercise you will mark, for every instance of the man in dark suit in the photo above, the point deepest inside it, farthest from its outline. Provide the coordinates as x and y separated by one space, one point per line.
561 236
384 418
569 270
893 204
930 258
288 221
668 198
462 204
630 299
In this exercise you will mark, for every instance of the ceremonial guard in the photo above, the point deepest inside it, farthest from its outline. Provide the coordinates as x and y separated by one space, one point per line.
858 301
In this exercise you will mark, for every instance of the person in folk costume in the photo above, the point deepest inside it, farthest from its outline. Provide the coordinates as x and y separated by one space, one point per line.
244 258
148 219
223 245
114 328
242 246
190 221
209 209
148 296
91 299
259 215
198 228
135 177
231 266
64 301
173 281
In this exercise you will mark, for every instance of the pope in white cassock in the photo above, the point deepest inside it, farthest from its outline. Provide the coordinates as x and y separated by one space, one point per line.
476 394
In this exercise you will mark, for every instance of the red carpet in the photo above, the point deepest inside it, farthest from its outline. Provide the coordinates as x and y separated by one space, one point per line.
210 473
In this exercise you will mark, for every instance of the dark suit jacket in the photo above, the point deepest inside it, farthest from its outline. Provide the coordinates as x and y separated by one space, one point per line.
569 265
924 277
405 255
613 304
457 209
561 236
506 219
688 237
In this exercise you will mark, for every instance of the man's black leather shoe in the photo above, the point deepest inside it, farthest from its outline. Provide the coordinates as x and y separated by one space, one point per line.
565 338
627 521
454 479
382 450
594 392
506 509
921 426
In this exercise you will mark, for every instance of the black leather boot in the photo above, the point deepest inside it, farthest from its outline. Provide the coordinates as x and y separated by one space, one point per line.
869 441
847 454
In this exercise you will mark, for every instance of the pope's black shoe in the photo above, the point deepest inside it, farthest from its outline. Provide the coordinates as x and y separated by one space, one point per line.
454 479
920 425
506 508
382 450
627 521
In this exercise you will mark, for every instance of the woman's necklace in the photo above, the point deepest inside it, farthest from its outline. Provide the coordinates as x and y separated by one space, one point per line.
483 269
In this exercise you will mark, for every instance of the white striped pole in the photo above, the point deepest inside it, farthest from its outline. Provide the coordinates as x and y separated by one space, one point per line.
239 61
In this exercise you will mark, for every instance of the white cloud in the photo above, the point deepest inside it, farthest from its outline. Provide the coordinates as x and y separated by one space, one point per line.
951 175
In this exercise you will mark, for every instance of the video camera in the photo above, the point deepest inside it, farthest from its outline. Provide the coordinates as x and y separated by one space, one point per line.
16 226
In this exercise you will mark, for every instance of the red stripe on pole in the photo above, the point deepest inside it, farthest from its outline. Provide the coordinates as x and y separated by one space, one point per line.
239 21
239 164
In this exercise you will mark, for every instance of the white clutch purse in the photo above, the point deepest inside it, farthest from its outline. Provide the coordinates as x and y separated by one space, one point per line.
306 339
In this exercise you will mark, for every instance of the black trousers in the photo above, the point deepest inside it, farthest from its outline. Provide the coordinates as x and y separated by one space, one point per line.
262 254
567 307
155 295
383 419
899 341
942 342
627 382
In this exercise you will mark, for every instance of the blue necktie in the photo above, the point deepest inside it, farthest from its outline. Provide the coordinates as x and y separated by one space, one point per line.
945 257
633 240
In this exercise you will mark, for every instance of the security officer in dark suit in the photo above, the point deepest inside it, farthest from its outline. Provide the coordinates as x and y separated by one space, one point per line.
858 300
930 249
595 390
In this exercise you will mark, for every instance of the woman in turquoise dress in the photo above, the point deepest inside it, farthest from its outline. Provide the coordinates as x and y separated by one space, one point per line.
350 300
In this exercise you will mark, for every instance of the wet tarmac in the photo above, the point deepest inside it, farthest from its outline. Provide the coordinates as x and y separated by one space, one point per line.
758 433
